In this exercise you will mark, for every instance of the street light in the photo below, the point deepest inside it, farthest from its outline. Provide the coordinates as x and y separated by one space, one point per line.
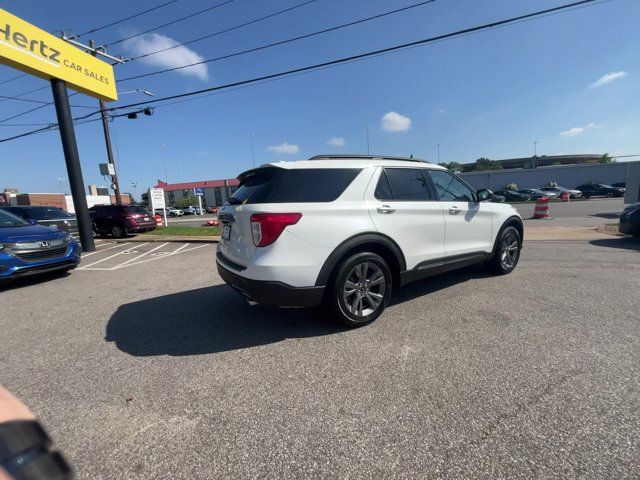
138 90
164 163
253 157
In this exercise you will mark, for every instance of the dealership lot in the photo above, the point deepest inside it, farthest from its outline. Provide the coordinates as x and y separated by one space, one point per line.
166 373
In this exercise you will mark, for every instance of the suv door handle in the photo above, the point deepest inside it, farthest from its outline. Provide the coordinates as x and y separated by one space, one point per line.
453 210
385 209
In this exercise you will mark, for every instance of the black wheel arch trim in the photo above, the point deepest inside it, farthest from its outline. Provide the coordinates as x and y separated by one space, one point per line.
514 221
354 242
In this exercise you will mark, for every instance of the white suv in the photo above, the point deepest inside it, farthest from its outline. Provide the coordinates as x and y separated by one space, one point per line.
343 230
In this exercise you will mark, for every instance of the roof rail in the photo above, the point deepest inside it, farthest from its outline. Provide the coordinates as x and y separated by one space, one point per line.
366 157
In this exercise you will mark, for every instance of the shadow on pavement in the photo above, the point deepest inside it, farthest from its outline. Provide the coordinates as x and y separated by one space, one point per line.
217 319
208 320
627 243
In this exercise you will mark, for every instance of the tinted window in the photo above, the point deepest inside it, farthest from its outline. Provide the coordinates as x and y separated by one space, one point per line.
46 213
141 210
403 184
450 188
279 185
9 220
18 212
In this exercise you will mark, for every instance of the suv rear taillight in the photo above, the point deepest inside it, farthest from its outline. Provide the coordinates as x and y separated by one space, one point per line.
267 227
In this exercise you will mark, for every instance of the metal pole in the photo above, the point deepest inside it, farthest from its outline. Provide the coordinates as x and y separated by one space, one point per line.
367 129
72 159
535 149
253 157
107 140
438 153
166 180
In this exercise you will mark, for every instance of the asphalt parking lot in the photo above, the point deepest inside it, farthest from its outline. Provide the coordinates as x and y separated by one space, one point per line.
167 373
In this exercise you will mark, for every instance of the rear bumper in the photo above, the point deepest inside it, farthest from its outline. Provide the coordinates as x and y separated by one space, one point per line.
272 293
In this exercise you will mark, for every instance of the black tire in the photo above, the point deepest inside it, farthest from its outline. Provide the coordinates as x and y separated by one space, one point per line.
118 231
586 195
504 258
372 281
610 195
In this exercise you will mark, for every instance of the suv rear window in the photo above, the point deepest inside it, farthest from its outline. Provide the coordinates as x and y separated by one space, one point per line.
280 185
141 210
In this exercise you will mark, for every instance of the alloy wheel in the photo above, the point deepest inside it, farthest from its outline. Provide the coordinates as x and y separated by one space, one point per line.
509 251
363 291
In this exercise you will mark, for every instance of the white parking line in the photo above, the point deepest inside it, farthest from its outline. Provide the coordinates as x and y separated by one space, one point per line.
85 255
177 251
140 256
107 258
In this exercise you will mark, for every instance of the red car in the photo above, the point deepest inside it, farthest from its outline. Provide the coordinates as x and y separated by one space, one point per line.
119 220
213 210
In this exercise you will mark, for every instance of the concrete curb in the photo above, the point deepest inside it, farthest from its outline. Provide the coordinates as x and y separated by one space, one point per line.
564 233
170 238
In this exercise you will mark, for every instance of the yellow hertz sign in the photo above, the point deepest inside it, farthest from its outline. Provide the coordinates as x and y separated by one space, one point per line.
34 51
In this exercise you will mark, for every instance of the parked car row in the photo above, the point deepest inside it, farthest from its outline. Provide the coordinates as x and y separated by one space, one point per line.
582 191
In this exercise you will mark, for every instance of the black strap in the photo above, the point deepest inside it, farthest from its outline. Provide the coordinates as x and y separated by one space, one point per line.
25 455
19 436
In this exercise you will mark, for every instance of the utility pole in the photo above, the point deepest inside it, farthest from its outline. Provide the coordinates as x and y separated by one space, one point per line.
107 137
535 149
164 163
438 153
253 157
367 129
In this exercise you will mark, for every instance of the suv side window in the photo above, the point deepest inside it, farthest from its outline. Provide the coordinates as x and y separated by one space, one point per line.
405 184
450 188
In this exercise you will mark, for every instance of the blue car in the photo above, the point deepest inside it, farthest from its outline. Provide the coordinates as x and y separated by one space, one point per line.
28 249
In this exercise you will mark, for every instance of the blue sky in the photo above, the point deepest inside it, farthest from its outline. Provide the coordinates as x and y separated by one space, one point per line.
568 81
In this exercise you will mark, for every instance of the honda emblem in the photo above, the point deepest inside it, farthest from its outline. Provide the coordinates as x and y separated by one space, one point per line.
44 244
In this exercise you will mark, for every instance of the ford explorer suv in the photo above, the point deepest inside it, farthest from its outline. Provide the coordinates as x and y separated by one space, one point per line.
27 248
344 231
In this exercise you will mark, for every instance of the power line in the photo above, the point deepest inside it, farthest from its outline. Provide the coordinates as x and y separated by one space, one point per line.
351 58
170 23
226 30
13 78
344 60
97 29
282 42
41 102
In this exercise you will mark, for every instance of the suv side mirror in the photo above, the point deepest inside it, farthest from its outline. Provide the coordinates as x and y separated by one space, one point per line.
484 194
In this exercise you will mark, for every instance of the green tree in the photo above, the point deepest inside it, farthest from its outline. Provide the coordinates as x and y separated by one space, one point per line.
511 186
187 201
606 158
485 164
453 166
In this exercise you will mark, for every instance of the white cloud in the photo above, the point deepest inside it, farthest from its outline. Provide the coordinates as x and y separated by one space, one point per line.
176 57
572 132
608 78
336 142
284 148
394 122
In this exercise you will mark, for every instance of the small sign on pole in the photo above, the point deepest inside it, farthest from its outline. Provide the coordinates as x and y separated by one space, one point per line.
199 192
156 199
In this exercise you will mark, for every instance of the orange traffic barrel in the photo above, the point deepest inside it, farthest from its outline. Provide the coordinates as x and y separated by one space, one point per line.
542 209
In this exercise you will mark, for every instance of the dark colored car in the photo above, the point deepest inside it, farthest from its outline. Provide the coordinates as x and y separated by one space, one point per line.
47 216
513 196
619 185
600 190
119 220
536 193
630 220
27 248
